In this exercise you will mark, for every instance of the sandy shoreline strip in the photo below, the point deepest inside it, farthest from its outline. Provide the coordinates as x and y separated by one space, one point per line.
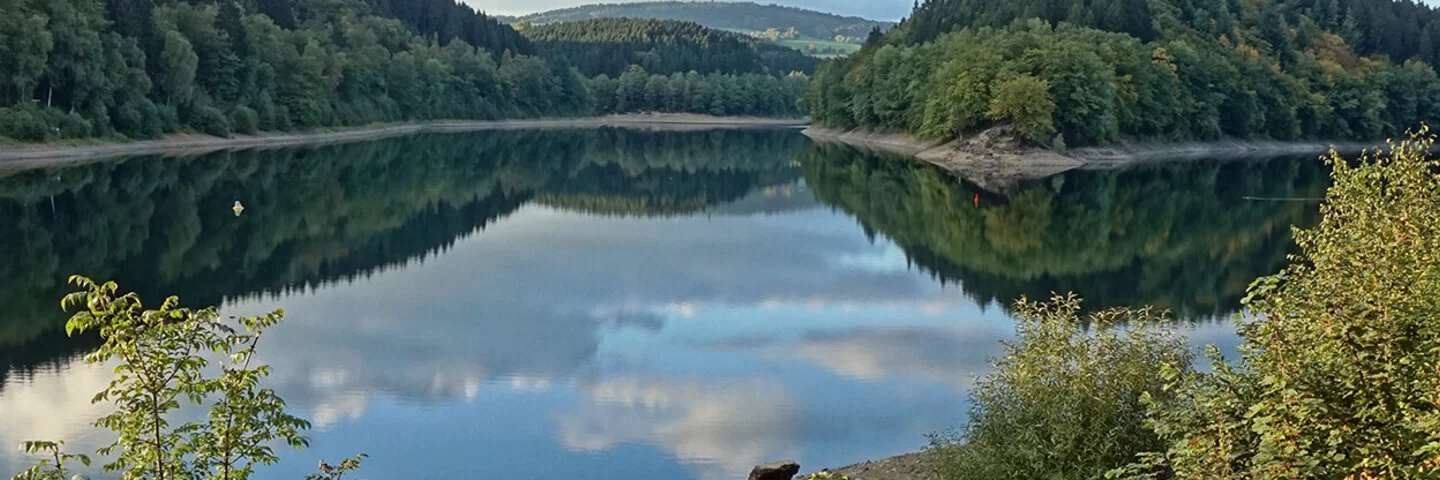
43 155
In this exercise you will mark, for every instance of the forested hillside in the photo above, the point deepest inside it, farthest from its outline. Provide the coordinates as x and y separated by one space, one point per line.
609 45
449 19
1107 71
76 68
746 16
142 68
751 94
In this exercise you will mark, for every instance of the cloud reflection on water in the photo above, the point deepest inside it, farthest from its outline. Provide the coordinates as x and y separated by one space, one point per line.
531 301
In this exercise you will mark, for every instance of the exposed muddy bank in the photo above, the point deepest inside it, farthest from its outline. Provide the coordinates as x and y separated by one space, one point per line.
41 155
994 161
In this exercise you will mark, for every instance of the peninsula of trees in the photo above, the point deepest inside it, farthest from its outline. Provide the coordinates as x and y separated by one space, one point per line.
1098 73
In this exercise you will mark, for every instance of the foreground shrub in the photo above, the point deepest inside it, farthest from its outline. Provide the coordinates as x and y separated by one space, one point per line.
1064 403
1339 374
164 358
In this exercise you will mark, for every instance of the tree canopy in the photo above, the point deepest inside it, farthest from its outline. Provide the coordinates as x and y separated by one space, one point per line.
142 68
1160 71
746 16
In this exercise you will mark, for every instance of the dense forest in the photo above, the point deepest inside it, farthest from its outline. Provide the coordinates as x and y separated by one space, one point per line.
751 94
76 68
742 16
607 46
1179 237
1102 72
142 68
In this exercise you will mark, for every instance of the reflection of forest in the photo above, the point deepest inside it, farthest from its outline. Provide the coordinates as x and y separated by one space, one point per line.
164 225
1178 236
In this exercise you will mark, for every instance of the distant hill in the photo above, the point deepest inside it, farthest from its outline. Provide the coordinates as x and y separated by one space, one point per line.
798 28
610 45
443 19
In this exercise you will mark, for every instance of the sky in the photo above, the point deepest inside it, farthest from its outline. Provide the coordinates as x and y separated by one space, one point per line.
874 9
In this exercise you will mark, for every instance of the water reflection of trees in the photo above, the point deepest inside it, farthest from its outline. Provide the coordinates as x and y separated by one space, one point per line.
1175 236
164 225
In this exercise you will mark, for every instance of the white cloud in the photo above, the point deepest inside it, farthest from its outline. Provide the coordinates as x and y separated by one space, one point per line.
54 405
951 356
722 429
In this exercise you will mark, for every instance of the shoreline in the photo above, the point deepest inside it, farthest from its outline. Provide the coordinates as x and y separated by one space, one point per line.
907 466
994 162
26 156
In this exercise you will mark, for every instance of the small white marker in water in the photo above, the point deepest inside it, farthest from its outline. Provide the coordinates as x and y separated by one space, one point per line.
238 208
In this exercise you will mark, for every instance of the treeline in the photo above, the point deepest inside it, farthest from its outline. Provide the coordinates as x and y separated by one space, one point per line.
76 69
607 46
1095 87
83 68
445 20
713 94
1400 30
724 15
1247 74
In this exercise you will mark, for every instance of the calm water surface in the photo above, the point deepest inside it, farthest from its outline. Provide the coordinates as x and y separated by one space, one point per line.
612 303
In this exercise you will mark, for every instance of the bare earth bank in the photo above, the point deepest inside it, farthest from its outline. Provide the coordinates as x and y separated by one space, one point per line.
994 161
39 155
910 466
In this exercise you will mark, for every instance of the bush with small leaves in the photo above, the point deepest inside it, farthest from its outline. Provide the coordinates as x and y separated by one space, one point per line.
826 475
139 118
26 122
166 357
54 463
336 472
210 120
1339 372
72 125
1064 402
243 119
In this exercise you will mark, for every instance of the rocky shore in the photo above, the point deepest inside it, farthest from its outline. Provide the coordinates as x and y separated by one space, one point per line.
910 466
995 161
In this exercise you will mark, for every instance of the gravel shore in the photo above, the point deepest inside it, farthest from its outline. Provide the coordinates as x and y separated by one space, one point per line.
910 466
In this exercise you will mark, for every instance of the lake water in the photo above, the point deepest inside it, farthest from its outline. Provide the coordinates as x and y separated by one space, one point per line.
613 303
